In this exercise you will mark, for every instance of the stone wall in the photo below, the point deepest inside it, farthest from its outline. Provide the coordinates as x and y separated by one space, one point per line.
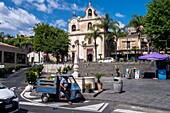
89 69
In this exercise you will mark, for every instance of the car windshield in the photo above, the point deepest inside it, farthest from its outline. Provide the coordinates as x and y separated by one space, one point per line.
2 86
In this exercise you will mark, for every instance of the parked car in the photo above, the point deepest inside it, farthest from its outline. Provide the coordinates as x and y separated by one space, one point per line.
106 60
9 101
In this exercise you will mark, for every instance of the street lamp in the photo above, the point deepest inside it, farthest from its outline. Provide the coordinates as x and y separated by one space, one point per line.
149 39
77 43
127 47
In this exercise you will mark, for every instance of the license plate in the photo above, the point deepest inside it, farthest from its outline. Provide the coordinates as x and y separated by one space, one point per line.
8 106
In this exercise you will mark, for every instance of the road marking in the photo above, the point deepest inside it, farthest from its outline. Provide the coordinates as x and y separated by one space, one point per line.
102 108
42 104
127 111
95 107
27 94
36 102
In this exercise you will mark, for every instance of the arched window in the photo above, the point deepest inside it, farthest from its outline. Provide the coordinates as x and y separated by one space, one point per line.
73 27
89 26
89 40
89 12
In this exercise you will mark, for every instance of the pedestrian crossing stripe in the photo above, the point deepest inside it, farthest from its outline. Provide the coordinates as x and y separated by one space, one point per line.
95 107
127 111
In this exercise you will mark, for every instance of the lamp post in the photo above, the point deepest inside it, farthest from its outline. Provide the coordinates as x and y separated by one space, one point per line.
77 43
149 41
127 47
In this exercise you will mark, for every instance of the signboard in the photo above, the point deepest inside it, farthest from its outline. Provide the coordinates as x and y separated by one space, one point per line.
136 74
2 66
45 54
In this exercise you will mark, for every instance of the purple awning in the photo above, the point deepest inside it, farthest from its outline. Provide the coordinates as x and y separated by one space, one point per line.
153 56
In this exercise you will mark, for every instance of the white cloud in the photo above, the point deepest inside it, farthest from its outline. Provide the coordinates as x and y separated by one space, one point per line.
40 1
50 5
16 21
17 2
41 7
62 5
74 6
121 25
60 23
119 15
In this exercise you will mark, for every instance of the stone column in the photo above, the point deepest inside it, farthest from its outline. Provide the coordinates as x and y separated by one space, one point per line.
75 67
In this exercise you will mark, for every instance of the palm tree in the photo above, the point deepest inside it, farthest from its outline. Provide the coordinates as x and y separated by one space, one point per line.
117 33
107 23
21 41
1 36
94 34
138 23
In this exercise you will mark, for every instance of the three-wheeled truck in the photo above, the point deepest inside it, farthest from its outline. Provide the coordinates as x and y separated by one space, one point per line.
50 88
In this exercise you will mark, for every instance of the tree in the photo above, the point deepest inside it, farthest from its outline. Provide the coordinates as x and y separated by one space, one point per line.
61 45
157 21
10 39
118 32
1 36
50 40
22 41
138 23
107 23
94 34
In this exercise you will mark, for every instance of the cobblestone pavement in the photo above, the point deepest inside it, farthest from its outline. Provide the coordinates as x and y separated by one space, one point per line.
152 93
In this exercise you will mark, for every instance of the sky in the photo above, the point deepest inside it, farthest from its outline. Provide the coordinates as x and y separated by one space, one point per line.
20 16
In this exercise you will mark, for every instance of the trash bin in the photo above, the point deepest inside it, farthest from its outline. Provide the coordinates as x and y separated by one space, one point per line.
117 85
162 74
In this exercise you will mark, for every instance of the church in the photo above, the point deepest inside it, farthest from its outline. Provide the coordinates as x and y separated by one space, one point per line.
81 46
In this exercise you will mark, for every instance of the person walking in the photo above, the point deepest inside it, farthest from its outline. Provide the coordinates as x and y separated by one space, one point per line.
65 88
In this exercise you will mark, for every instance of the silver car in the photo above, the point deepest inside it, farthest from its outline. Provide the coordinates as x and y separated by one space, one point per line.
9 101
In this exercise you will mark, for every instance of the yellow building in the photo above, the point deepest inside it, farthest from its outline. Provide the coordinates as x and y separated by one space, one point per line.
128 47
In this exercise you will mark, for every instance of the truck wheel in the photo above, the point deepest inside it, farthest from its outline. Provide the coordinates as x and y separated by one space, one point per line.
44 97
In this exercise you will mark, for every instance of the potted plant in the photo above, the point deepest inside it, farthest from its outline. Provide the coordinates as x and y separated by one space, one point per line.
99 83
88 87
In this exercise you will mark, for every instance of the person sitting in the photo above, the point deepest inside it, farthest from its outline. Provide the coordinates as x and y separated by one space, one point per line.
65 88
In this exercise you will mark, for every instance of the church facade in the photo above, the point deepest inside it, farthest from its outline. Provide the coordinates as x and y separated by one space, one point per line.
80 45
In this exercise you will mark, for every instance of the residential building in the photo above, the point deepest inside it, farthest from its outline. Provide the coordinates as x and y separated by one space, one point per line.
128 47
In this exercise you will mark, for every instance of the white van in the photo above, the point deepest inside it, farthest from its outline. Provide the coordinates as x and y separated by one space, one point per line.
107 60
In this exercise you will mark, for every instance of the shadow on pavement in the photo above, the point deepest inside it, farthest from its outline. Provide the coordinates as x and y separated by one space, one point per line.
22 110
